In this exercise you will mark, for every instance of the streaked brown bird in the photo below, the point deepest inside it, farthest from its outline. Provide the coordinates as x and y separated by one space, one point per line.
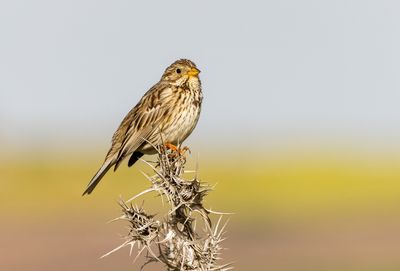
170 108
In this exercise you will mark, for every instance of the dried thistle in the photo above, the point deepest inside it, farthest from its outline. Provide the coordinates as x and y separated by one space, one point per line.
174 237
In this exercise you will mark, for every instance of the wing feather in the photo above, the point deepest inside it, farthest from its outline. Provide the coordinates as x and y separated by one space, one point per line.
140 123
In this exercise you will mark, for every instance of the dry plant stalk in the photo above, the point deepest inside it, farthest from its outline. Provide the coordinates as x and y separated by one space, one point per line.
174 240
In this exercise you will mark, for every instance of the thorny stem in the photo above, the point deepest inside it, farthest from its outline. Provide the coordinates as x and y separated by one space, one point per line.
174 237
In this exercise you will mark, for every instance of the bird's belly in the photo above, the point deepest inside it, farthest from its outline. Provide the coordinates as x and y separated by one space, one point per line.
179 128
183 126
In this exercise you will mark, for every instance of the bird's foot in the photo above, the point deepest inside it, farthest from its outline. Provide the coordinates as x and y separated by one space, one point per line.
171 147
176 150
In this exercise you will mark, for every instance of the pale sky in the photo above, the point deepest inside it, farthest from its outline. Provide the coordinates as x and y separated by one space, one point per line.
71 70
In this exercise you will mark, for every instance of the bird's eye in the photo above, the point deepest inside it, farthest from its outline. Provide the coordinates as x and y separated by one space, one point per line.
178 71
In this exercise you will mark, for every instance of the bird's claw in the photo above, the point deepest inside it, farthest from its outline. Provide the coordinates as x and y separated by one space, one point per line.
175 150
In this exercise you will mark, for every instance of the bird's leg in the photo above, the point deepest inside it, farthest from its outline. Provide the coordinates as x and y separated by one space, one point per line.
172 147
176 149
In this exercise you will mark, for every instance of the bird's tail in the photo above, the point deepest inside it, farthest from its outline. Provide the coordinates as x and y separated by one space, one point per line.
97 177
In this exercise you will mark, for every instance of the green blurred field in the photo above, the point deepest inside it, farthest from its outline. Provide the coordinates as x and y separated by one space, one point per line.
295 210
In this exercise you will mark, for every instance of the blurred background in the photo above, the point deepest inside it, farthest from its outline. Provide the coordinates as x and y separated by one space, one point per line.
299 128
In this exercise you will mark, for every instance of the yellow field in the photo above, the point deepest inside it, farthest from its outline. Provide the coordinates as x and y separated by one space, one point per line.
294 210
285 185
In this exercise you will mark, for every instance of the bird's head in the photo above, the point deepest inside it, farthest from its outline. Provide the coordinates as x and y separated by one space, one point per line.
181 72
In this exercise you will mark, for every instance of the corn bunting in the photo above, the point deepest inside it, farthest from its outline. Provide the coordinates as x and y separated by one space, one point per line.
170 108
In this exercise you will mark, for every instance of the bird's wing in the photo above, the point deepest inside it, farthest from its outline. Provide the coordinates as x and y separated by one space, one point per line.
138 125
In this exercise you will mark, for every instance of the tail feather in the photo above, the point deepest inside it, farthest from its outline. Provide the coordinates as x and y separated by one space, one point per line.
97 177
135 156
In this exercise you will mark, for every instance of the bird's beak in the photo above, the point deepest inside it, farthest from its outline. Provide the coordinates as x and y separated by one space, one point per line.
193 72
